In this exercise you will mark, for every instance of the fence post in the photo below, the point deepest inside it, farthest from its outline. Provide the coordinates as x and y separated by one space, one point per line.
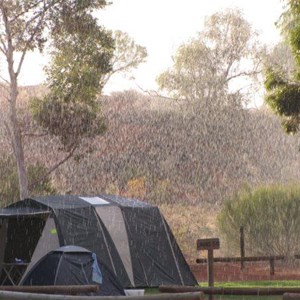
272 265
242 246
209 245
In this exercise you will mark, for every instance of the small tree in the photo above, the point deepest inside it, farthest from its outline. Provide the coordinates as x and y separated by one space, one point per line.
79 46
127 55
9 191
282 85
205 67
270 216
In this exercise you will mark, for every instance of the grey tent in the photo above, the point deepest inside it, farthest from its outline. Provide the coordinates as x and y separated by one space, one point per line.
130 237
73 265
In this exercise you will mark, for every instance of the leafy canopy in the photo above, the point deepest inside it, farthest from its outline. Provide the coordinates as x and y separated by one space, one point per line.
270 217
205 67
283 89
81 56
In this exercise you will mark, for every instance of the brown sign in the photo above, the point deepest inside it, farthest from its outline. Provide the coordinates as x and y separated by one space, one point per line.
208 244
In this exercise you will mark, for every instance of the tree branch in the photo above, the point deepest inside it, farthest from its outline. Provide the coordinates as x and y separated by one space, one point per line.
3 48
242 74
27 44
35 134
25 11
53 168
4 79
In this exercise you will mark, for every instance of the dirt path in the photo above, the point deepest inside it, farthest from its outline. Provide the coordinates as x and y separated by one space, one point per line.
252 271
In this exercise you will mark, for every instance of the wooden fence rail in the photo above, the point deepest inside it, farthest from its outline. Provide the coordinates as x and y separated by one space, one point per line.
270 259
194 295
52 289
230 291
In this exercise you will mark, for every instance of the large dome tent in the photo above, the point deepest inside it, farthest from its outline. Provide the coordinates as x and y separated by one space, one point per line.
130 237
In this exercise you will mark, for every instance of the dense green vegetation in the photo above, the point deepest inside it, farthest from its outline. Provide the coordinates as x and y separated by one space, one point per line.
270 217
282 85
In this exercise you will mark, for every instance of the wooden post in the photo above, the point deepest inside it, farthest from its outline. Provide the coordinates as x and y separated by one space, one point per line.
210 267
272 266
242 246
209 245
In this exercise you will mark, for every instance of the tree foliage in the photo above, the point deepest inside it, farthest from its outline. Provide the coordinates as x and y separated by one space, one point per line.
206 67
9 191
81 52
270 217
127 55
71 110
282 84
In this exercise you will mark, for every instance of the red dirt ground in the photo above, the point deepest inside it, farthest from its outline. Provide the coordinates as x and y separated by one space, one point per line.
252 271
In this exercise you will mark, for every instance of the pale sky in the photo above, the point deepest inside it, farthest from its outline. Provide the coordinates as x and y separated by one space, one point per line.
161 26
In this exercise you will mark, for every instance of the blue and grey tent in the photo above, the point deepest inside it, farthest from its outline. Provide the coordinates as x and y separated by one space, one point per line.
73 265
129 236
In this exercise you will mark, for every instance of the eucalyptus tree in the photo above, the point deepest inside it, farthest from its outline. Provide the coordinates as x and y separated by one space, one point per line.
127 55
282 85
81 53
207 67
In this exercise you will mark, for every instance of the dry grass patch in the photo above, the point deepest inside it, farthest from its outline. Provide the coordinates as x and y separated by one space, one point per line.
189 223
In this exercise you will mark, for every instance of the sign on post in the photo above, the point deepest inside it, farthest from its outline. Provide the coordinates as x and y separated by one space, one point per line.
206 244
210 245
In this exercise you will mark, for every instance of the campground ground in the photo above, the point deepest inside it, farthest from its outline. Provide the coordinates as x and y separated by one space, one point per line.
258 271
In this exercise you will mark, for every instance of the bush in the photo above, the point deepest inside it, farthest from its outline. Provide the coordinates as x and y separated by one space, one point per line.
9 184
270 216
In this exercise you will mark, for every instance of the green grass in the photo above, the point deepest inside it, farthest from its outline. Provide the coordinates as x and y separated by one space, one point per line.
151 291
264 283
243 284
254 284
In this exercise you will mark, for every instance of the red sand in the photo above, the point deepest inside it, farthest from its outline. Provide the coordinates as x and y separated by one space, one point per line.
252 271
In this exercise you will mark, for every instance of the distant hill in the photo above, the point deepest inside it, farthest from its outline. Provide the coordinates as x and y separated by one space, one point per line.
169 155
160 151
157 150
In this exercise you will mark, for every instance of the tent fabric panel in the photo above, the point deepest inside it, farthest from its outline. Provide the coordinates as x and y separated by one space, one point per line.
22 237
47 242
62 201
95 200
125 202
153 262
43 272
3 238
185 271
71 249
78 227
11 213
74 269
82 227
110 285
112 218
27 207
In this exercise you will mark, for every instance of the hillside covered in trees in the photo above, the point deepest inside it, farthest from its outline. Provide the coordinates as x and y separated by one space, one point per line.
162 152
159 151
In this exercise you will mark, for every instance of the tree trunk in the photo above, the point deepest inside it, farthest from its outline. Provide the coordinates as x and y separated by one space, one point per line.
14 127
16 138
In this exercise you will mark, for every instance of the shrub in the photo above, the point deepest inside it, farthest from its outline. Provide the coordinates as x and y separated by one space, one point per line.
270 216
9 187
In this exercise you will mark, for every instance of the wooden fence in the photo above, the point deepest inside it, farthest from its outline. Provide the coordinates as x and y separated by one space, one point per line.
211 244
